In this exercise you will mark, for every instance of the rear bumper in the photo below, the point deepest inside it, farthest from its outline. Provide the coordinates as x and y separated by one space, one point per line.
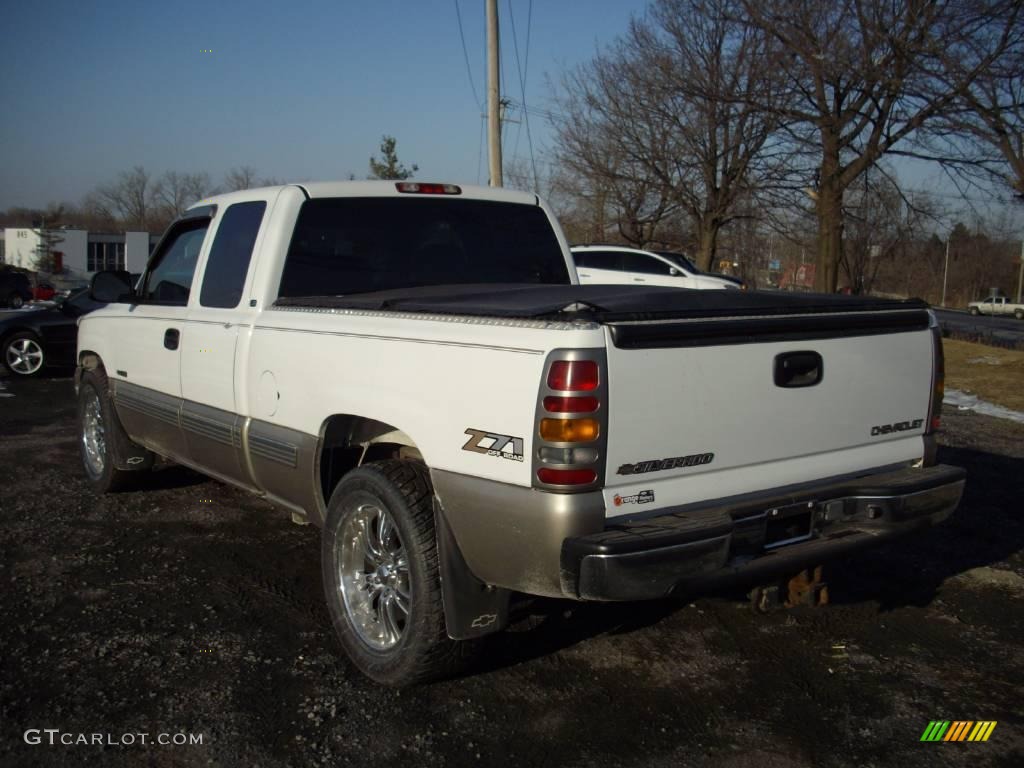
756 536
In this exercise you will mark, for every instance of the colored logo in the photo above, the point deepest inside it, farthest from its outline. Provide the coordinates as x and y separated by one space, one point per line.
959 730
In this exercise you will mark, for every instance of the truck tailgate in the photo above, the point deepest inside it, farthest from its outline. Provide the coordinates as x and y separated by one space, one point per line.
713 407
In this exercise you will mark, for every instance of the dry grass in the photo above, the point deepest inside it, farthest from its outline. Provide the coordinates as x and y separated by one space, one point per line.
991 373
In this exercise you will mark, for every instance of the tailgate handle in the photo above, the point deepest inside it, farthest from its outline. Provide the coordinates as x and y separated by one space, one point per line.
798 369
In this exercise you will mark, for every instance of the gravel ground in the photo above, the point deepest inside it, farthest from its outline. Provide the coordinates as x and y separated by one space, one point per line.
190 607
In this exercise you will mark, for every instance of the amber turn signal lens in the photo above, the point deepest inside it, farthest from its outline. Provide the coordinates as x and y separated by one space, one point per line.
569 430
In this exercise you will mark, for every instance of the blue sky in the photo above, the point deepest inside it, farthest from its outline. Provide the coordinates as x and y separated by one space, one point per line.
298 90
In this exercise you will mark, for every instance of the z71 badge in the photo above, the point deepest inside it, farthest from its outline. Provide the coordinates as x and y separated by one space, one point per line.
493 444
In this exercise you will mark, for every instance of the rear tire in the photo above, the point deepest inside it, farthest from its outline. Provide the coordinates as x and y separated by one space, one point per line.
15 301
99 434
381 576
1019 314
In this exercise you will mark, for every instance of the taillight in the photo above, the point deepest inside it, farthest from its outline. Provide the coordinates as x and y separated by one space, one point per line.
571 422
570 404
938 377
566 476
574 376
427 188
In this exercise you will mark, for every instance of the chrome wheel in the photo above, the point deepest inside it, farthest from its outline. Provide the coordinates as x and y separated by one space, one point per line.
373 572
24 356
17 302
93 435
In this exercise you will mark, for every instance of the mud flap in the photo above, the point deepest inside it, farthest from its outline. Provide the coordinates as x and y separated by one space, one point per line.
471 608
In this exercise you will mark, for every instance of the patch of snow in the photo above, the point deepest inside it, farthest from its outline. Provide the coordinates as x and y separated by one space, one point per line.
964 402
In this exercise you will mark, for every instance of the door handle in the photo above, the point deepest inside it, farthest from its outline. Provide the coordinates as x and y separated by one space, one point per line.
171 338
639 280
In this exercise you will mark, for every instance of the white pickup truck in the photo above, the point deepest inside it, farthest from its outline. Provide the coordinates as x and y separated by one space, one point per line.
413 368
996 305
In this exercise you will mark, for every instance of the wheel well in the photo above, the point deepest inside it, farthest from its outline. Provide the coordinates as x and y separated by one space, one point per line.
347 442
90 361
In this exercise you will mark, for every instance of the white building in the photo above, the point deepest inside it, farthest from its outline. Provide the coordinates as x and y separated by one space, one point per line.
77 252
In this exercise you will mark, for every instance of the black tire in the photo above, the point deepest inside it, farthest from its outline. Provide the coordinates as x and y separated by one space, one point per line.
35 364
423 652
14 301
1019 314
106 477
974 311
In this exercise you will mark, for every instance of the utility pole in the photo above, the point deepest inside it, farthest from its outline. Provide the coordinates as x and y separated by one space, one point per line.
1020 275
493 95
945 274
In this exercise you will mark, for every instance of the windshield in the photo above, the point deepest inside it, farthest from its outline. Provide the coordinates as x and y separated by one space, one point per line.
680 260
345 246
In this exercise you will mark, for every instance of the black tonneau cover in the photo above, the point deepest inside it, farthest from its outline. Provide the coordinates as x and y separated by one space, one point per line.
602 303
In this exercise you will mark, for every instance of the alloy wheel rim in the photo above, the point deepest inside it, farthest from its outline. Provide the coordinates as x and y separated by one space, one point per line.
24 356
373 577
93 435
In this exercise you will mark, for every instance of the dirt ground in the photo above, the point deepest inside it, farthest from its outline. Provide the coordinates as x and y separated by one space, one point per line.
190 607
991 373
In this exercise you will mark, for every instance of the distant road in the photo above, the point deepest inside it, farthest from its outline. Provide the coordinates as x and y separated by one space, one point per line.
1004 329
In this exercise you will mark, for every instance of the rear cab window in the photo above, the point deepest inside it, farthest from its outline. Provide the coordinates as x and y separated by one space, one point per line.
346 246
228 262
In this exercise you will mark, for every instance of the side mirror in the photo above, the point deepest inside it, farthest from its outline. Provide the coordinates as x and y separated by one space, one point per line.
673 271
111 286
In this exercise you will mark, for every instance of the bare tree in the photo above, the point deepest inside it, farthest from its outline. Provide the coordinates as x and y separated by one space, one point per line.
675 116
126 198
240 177
865 75
174 192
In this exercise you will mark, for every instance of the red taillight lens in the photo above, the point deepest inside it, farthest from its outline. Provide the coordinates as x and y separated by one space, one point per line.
938 381
573 376
428 188
566 476
570 404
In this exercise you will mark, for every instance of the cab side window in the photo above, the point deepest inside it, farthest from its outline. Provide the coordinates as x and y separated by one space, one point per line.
599 259
230 254
169 278
646 265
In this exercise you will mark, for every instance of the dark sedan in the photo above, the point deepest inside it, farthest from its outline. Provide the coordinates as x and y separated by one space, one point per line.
31 340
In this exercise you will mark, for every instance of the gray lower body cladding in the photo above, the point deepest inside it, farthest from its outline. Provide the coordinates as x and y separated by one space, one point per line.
560 545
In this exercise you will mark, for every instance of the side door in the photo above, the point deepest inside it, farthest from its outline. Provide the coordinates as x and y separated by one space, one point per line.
218 312
147 374
650 270
986 307
600 267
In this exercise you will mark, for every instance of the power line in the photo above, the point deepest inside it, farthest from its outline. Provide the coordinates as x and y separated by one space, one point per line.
521 71
465 56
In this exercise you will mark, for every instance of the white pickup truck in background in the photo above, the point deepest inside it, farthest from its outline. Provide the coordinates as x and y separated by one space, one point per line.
996 305
414 368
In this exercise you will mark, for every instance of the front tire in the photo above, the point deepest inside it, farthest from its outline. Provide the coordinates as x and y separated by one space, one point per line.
381 575
1019 314
23 354
974 311
99 434
15 301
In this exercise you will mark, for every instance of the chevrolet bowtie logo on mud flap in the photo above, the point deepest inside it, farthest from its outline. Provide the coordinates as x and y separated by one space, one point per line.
484 620
657 465
493 444
899 426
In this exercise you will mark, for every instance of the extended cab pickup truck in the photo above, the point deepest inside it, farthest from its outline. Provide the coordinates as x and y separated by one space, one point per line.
996 305
413 368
